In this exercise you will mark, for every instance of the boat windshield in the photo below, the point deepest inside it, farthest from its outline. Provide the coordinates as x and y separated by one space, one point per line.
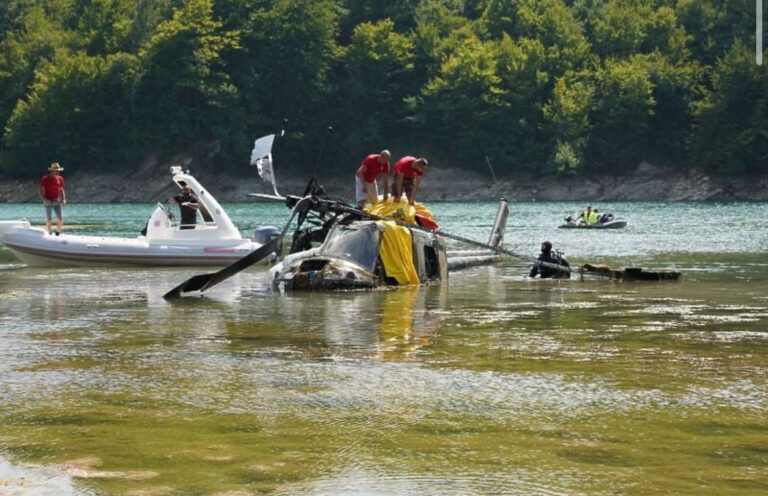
355 244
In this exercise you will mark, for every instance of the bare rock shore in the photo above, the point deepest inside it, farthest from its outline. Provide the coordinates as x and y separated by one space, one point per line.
648 182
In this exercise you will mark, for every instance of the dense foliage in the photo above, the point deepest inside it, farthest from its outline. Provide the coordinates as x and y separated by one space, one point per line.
534 86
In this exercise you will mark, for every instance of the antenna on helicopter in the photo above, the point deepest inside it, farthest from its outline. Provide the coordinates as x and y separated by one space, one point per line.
313 187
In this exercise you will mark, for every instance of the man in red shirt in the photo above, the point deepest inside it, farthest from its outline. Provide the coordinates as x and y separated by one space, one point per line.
365 178
408 174
52 192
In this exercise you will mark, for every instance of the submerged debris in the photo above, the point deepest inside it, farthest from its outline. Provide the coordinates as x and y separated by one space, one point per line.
631 273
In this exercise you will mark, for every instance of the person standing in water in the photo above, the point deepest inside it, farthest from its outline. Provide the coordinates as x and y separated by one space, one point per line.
52 192
546 265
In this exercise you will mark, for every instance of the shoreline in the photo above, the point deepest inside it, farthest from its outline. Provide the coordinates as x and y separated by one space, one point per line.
648 182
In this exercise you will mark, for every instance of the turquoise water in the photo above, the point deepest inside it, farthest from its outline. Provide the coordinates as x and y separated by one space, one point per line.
488 384
653 228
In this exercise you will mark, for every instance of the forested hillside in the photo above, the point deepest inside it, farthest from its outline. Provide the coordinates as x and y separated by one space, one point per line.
537 86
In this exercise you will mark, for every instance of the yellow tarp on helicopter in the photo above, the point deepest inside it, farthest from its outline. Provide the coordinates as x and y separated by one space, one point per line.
399 210
397 253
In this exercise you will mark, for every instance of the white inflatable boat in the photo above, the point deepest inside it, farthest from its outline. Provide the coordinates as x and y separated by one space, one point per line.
213 241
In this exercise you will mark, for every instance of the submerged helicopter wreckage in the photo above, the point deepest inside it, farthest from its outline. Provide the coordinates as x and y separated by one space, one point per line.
335 246
361 250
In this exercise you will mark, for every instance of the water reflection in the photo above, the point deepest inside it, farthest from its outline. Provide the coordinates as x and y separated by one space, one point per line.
549 300
53 307
386 324
410 319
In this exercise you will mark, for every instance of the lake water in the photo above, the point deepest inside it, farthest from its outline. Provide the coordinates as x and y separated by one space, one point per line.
488 384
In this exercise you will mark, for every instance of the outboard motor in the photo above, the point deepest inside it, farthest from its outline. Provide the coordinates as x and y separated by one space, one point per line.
606 218
265 234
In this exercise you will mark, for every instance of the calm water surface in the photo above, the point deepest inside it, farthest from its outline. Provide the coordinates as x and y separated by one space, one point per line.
488 384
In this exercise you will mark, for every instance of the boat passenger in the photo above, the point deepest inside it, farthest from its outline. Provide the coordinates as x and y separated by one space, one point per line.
51 190
550 258
365 178
408 173
188 207
589 216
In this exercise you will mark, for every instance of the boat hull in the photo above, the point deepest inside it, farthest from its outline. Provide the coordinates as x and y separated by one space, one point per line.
36 248
614 224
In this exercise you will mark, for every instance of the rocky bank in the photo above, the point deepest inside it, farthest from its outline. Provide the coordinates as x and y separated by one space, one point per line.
151 182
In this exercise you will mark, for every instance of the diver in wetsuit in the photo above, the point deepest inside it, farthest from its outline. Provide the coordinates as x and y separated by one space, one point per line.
546 256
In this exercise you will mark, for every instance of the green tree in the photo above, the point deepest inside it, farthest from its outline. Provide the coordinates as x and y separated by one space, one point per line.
79 111
732 117
111 26
462 104
283 71
621 28
11 14
537 85
378 64
550 22
440 29
185 64
621 113
567 115
524 83
22 52
714 25
676 87
400 12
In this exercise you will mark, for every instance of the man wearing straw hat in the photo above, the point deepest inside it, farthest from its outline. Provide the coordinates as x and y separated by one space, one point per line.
52 192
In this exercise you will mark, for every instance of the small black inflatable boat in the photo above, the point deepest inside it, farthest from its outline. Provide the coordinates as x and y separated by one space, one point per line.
607 221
